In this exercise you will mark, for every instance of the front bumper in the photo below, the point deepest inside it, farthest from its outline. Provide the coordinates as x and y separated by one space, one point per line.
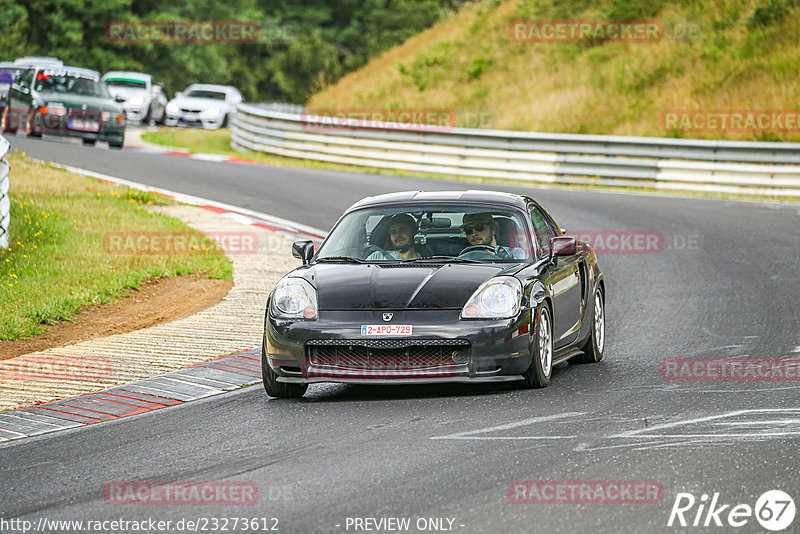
136 113
209 123
489 350
110 131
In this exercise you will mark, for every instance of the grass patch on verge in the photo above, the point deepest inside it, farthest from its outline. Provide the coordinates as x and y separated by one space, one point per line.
57 261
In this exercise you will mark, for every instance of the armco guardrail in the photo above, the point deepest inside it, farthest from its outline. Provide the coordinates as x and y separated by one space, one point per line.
5 202
688 164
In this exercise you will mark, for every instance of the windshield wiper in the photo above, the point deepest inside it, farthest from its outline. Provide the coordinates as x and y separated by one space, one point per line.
447 259
344 259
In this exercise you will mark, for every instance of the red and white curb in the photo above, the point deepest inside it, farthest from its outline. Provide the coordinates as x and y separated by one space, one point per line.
195 382
191 383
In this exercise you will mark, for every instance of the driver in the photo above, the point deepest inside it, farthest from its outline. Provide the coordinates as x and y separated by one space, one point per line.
481 229
402 229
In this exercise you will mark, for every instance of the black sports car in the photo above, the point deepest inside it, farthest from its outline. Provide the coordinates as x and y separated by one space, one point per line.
419 287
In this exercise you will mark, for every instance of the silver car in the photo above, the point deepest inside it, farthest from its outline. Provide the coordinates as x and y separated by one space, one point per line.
209 106
142 99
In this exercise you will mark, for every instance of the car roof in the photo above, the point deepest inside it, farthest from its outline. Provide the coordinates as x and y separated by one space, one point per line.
33 61
87 73
212 87
126 74
468 196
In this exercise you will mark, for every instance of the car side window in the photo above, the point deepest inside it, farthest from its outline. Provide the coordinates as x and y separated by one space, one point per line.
543 227
26 79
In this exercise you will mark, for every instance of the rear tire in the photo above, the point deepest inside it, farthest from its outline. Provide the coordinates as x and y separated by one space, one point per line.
89 142
6 122
280 390
118 146
541 348
595 344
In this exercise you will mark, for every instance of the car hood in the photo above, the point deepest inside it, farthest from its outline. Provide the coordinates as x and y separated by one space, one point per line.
77 101
199 103
393 286
127 92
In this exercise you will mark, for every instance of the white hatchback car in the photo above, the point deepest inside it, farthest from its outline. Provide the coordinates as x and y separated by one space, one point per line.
142 99
209 106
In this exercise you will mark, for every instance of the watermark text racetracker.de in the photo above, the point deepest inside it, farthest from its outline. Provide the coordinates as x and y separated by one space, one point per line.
181 493
55 368
606 31
739 369
121 32
731 120
181 243
621 241
403 119
585 492
138 526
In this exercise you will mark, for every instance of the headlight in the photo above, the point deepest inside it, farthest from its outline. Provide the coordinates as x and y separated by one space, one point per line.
172 107
498 298
137 100
294 298
212 112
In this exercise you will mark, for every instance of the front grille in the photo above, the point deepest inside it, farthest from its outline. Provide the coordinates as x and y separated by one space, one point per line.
189 110
387 354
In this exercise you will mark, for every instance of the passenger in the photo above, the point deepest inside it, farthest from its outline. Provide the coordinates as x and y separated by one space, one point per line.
402 229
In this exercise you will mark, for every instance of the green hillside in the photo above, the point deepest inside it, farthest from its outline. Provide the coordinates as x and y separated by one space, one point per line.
713 56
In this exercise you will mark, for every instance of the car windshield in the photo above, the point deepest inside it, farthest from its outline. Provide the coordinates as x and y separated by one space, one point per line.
69 83
429 233
126 82
202 93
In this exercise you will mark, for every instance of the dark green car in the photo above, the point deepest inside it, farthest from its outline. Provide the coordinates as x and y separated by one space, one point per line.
66 101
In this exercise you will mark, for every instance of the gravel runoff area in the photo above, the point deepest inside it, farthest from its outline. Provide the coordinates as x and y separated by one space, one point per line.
232 325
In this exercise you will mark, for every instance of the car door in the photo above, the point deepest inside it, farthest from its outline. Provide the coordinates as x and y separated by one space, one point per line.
562 280
19 99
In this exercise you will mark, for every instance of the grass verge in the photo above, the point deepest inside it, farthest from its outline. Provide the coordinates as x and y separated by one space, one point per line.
218 142
57 261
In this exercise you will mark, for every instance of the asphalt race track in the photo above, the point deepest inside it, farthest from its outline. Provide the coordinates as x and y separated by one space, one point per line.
723 284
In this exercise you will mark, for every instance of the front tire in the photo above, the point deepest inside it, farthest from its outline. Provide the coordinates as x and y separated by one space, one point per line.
89 142
595 344
280 390
541 348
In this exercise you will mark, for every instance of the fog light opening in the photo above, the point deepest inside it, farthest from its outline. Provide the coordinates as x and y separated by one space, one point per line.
460 356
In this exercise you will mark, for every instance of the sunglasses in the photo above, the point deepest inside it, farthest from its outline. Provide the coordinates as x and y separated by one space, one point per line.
477 227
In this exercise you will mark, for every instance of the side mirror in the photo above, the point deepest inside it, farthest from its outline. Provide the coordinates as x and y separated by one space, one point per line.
119 98
303 250
563 246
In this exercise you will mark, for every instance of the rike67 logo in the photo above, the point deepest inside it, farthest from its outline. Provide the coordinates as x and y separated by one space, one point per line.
774 510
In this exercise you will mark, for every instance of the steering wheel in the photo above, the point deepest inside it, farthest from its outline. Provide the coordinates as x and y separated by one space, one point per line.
482 248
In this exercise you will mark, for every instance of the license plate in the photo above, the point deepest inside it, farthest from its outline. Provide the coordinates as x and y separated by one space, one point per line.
386 329
84 125
190 116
